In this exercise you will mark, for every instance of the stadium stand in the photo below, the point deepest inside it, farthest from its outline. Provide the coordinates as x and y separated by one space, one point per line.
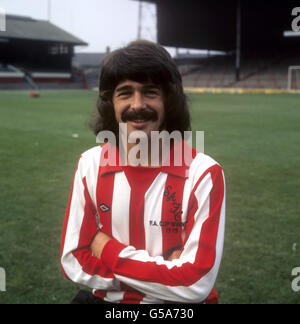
256 55
8 75
257 72
37 54
88 64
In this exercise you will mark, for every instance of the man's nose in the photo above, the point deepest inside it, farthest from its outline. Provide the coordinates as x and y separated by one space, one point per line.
138 101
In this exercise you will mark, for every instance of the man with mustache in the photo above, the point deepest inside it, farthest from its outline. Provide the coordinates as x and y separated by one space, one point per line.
144 234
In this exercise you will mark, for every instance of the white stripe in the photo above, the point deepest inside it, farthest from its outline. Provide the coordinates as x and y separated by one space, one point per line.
199 165
11 75
76 215
120 208
142 255
185 202
114 296
91 170
152 213
202 194
150 300
162 292
51 75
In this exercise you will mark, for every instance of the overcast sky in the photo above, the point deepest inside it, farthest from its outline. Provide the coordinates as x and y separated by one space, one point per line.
100 23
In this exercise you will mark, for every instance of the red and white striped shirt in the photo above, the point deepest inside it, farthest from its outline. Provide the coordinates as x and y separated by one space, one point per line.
149 212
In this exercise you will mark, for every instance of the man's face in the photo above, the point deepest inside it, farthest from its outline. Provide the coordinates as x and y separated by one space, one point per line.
140 105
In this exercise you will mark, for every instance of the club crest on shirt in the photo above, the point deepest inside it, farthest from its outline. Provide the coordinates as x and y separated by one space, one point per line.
176 207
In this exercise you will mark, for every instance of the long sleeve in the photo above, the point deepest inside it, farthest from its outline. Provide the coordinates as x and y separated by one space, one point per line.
191 277
80 226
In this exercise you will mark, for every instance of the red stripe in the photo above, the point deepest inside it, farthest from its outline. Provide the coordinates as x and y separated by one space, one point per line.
100 293
139 180
136 222
171 217
188 273
131 295
89 225
104 194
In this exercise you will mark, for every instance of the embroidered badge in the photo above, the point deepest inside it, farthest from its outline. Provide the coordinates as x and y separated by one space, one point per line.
104 208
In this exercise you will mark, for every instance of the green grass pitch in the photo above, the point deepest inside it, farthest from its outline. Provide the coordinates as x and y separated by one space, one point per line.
255 137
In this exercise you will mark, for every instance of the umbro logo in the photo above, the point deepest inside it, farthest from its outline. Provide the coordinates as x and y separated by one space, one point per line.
104 208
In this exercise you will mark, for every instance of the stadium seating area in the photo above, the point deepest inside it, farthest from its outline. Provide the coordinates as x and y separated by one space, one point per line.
92 78
218 71
24 78
256 72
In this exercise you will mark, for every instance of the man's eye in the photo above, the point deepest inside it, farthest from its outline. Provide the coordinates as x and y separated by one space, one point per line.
125 94
152 93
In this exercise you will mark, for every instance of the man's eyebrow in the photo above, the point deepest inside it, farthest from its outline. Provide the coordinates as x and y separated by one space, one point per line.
144 87
151 86
124 88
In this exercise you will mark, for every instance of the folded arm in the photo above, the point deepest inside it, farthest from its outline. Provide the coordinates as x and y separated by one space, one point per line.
80 227
188 276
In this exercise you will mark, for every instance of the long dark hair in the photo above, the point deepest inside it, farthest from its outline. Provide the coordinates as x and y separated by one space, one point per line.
141 61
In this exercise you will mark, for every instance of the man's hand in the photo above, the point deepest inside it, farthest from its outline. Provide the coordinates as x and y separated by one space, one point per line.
99 243
101 239
175 255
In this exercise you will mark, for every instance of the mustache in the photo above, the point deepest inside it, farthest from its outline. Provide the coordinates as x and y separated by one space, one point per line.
147 114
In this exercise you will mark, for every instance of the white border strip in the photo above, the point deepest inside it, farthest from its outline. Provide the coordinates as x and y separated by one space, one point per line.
51 75
11 75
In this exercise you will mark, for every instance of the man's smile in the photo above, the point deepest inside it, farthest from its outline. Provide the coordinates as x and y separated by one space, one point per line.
139 124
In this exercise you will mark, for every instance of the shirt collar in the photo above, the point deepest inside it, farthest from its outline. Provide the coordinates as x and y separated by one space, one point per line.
171 167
